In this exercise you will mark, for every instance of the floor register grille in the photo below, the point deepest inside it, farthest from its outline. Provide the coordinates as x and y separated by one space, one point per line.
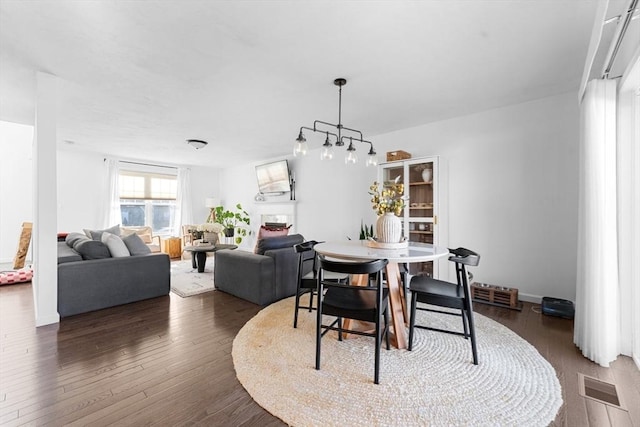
599 390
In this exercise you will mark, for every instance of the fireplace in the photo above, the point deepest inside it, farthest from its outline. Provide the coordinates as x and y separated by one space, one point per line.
277 212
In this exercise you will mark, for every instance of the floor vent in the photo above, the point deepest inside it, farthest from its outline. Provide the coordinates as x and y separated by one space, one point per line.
601 391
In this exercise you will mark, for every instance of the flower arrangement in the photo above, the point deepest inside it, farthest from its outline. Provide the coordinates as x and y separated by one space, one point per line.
389 199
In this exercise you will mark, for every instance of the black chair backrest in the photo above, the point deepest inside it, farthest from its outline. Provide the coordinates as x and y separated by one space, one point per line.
306 254
305 246
464 256
368 267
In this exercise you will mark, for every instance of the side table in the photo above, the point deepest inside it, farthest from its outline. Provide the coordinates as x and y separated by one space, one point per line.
171 246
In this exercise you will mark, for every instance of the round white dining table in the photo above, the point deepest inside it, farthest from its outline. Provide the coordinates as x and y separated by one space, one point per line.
360 250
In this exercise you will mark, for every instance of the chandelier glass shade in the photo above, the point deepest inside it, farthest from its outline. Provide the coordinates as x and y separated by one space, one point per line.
301 147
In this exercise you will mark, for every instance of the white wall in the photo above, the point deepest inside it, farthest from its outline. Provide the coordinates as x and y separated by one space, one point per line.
331 197
204 183
512 182
16 186
82 188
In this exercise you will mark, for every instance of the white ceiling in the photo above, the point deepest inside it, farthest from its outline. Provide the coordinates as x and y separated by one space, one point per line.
138 78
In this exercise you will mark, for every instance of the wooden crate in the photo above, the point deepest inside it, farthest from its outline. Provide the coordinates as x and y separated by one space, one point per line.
495 295
397 155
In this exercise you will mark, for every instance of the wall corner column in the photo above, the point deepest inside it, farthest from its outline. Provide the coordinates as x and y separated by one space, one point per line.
45 218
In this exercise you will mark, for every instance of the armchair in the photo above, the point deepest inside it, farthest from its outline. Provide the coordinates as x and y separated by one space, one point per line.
263 277
146 234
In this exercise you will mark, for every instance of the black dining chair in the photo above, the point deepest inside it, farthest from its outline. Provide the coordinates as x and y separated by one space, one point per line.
439 293
308 276
365 303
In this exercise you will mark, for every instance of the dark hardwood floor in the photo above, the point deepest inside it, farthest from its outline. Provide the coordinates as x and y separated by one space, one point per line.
167 361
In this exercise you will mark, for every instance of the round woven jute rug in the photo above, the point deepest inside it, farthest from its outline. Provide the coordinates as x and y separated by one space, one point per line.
435 384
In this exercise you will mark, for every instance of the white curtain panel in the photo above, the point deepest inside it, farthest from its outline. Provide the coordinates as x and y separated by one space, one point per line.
597 316
183 213
111 211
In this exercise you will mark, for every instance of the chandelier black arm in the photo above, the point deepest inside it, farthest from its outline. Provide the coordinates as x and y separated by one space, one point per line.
313 129
371 150
338 126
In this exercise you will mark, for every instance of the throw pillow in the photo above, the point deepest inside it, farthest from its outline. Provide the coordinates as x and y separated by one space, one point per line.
73 238
116 246
278 243
266 231
135 245
97 234
92 249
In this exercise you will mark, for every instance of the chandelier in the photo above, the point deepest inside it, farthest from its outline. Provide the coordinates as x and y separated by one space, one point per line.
300 148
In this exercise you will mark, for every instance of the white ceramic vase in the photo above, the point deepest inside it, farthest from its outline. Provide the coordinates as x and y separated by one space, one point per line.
427 175
388 228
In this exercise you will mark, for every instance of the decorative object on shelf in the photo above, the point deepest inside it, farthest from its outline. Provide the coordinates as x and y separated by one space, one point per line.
388 204
197 143
233 222
427 175
366 231
300 148
392 156
211 203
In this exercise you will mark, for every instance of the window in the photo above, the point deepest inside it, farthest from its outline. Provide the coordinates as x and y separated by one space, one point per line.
148 198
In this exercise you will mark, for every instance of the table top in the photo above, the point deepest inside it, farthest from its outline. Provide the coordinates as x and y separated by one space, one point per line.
358 250
209 248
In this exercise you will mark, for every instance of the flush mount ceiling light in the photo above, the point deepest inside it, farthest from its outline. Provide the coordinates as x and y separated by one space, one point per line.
197 143
300 148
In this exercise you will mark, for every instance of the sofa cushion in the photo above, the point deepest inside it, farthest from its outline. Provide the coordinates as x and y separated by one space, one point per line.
67 254
73 238
92 249
97 234
116 246
278 243
135 245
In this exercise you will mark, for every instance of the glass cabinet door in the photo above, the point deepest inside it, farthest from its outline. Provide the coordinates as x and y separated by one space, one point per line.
420 214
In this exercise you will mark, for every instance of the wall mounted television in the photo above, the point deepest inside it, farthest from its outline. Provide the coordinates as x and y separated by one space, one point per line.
273 177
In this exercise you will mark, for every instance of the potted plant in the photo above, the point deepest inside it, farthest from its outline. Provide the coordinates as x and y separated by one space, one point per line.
366 231
388 203
233 221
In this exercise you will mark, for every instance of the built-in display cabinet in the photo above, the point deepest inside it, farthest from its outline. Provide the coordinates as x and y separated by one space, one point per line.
420 215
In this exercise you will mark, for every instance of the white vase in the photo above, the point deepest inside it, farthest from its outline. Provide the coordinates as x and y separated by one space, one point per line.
388 228
427 175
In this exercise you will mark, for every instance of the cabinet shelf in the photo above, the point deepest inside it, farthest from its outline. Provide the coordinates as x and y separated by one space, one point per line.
420 207
420 232
421 183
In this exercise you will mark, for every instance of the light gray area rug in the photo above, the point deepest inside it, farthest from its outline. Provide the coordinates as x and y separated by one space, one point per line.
435 384
186 281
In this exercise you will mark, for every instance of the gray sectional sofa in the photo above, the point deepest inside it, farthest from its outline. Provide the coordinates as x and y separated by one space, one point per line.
263 277
91 279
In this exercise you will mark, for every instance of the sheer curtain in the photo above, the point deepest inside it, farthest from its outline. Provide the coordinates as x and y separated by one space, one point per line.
111 211
597 317
183 214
